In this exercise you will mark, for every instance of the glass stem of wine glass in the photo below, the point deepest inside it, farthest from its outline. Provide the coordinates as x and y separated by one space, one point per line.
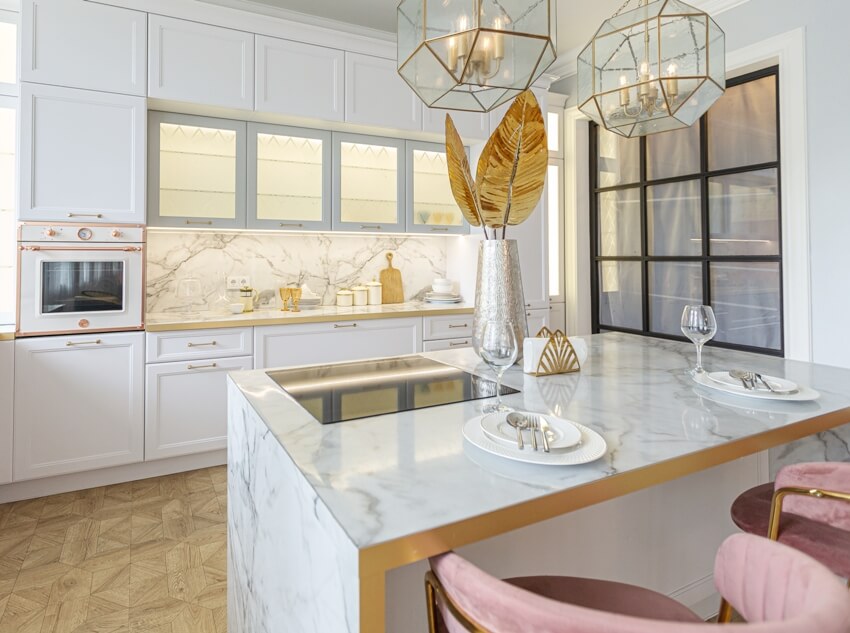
699 368
499 373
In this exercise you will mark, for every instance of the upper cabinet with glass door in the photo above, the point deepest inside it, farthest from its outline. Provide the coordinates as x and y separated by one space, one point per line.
289 178
368 188
431 205
196 171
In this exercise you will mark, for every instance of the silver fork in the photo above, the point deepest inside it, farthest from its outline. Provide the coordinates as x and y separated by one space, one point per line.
535 424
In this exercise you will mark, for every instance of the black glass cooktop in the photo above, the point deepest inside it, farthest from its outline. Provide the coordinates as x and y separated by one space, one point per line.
348 391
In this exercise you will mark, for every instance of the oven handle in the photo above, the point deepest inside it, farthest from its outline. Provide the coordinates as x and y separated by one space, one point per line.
126 249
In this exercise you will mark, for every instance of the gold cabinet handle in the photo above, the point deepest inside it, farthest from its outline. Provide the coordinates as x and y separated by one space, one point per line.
210 366
461 343
439 228
337 326
85 215
291 224
213 343
75 344
207 222
455 327
376 227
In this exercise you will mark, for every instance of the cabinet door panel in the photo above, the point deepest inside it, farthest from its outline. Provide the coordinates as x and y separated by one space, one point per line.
199 344
436 346
196 171
7 388
290 345
299 79
537 320
534 263
186 410
79 403
84 45
82 155
200 63
431 206
289 178
376 95
472 126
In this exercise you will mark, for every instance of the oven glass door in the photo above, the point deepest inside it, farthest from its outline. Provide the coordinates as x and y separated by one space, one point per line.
81 287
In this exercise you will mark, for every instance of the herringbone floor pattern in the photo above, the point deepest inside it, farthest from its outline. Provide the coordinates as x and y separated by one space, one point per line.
142 557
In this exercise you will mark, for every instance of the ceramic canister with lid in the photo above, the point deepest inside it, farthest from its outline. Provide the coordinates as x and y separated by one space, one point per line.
344 298
361 295
375 290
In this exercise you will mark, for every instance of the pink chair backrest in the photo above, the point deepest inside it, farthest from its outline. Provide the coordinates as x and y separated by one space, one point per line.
832 476
777 589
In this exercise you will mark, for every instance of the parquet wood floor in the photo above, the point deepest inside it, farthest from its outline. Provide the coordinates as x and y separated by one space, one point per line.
142 557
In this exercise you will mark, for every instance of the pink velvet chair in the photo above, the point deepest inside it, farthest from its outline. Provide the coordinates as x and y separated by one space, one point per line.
774 587
807 508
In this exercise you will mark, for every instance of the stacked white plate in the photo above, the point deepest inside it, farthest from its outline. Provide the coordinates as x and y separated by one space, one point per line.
783 390
442 297
571 443
310 302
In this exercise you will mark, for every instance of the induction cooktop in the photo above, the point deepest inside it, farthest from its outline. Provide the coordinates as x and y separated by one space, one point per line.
349 391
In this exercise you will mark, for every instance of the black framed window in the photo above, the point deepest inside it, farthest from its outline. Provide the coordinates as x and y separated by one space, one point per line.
693 216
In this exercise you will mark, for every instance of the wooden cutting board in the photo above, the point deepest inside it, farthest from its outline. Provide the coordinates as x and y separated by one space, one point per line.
391 288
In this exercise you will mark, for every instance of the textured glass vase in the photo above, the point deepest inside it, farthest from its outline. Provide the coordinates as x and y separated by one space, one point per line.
498 290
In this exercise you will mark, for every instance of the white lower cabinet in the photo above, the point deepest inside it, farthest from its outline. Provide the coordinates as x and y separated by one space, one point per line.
451 343
537 320
7 386
317 343
186 408
79 403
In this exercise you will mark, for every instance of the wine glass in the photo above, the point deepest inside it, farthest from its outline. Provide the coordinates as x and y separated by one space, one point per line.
699 325
190 293
295 294
285 294
499 349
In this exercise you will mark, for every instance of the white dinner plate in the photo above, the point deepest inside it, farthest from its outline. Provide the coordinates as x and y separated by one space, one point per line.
458 300
779 384
803 394
592 447
442 295
563 434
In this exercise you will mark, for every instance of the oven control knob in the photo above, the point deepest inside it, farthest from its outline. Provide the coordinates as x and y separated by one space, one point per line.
49 232
116 233
85 233
83 323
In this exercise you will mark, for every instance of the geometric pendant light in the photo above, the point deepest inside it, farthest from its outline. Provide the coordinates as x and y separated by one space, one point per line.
474 54
657 67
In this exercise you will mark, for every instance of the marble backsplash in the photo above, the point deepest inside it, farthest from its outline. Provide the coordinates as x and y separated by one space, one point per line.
324 262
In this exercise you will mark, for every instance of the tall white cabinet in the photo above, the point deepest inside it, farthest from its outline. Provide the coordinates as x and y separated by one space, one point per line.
7 386
376 95
79 403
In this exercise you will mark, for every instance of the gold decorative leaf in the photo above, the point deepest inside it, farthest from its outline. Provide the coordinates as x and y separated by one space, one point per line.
460 176
559 356
512 168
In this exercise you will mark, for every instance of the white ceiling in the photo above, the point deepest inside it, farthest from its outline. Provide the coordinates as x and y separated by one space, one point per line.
577 19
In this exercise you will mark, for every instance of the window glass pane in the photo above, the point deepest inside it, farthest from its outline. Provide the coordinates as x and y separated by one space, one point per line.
433 201
746 299
82 287
620 300
8 53
7 215
553 185
744 210
553 131
673 154
197 172
673 216
619 159
369 183
619 223
742 126
672 286
289 178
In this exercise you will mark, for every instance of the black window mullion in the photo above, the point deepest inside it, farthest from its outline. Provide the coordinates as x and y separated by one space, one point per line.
704 211
644 236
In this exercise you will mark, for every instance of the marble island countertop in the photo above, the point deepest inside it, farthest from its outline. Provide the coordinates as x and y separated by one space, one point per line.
165 321
391 479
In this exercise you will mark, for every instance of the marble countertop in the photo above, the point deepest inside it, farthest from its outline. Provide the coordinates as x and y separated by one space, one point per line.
7 332
394 476
160 322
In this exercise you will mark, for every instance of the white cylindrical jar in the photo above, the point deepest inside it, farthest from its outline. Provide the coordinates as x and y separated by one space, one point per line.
344 298
375 291
361 295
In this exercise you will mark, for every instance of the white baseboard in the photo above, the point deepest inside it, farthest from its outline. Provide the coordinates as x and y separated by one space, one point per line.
107 476
700 596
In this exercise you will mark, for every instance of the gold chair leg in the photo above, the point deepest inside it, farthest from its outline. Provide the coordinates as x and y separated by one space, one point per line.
725 613
431 599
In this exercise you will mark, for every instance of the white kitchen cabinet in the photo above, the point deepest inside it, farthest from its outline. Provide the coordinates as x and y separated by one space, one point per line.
298 79
186 406
472 126
537 320
79 403
534 264
82 155
84 45
558 317
445 327
318 343
431 205
376 95
7 389
165 347
199 63
452 343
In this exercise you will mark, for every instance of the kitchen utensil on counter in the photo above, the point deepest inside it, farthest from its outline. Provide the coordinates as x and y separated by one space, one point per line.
499 349
700 325
344 298
361 295
285 294
190 293
247 296
374 289
392 291
295 293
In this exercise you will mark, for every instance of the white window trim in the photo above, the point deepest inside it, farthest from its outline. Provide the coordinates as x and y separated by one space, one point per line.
11 17
789 51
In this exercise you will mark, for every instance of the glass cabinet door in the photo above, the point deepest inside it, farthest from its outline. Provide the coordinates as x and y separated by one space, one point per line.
196 171
368 183
289 178
431 206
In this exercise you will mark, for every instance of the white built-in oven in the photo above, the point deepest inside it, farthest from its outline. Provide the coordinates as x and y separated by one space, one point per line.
74 278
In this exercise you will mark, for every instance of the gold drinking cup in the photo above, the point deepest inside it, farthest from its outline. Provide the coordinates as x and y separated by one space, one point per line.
295 293
285 294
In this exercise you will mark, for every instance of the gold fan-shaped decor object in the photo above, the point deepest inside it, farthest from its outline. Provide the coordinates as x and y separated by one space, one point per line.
511 170
558 357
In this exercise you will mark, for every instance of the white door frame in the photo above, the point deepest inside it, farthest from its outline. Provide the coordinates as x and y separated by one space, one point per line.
788 50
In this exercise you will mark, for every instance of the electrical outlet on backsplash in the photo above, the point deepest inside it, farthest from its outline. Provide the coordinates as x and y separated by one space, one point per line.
325 262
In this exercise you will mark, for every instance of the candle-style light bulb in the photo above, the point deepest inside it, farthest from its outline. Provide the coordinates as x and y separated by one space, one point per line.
672 83
498 39
462 45
625 97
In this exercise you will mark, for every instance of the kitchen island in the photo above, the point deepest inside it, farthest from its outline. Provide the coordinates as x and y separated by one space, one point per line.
322 517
